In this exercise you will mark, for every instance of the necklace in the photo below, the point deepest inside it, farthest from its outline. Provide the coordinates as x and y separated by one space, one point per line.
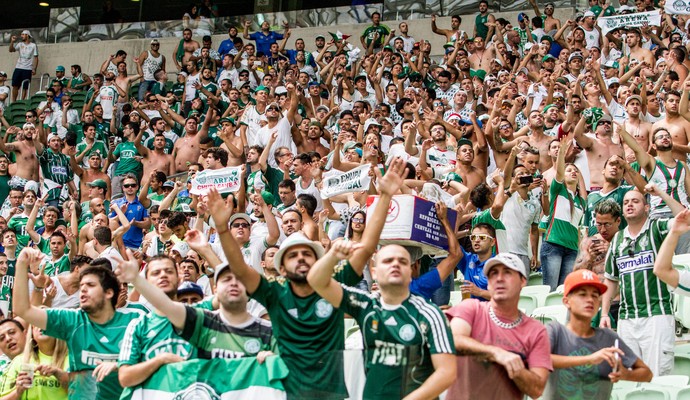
502 324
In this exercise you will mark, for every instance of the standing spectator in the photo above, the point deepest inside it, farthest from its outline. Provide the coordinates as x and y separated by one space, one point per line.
134 211
645 320
4 91
265 37
593 357
484 23
26 64
149 62
376 33
516 346
185 49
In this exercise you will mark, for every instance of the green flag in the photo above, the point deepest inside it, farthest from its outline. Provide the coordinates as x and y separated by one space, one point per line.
229 379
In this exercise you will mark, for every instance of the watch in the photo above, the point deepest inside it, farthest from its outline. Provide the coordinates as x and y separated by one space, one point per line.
210 271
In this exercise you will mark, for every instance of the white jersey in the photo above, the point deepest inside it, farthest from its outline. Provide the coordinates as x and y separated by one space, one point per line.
27 52
107 97
670 180
151 65
190 90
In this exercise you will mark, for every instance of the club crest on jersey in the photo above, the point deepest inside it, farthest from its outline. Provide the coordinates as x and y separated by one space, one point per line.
252 346
324 309
406 332
197 391
374 326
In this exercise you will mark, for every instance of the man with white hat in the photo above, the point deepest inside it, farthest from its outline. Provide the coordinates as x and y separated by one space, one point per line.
311 334
26 65
149 62
503 365
592 35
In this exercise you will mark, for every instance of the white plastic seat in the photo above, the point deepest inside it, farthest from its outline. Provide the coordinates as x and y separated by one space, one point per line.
547 314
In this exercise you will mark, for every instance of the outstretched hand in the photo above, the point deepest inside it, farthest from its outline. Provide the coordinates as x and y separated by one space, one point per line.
220 211
127 271
390 183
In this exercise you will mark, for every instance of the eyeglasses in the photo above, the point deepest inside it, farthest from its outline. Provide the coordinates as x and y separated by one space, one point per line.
284 155
129 185
605 122
29 116
504 126
603 225
480 236
240 225
358 220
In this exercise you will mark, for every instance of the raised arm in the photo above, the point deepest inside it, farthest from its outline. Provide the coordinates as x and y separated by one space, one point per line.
643 158
447 266
29 258
663 265
560 160
31 223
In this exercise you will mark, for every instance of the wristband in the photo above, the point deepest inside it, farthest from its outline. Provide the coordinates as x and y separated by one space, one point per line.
38 289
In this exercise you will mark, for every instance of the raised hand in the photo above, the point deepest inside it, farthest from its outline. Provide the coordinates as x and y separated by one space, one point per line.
390 183
220 211
441 211
127 271
681 222
196 240
343 249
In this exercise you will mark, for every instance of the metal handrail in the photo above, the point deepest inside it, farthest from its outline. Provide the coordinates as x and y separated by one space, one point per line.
21 88
40 85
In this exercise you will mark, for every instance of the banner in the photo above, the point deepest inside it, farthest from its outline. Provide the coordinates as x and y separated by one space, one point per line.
354 180
218 378
651 18
225 180
678 7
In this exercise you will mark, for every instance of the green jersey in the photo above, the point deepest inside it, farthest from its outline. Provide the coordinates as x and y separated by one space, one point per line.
598 196
4 187
127 153
370 34
480 25
99 147
485 217
215 338
177 90
630 262
18 224
566 210
57 172
76 81
311 336
150 335
90 344
57 267
7 288
398 341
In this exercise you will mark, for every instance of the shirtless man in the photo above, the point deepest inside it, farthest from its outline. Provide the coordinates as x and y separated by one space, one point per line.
471 175
90 174
638 129
551 24
188 46
634 40
124 81
312 140
675 124
187 148
538 139
25 149
599 149
481 56
231 142
155 159
452 34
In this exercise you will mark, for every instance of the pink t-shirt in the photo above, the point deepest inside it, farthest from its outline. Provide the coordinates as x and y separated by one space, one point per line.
479 379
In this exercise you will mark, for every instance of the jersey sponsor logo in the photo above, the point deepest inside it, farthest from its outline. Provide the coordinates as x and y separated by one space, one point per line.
407 332
386 353
92 358
223 353
128 154
58 170
173 346
637 262
252 346
197 391
356 303
324 309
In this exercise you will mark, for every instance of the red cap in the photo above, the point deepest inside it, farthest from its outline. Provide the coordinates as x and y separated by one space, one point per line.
582 277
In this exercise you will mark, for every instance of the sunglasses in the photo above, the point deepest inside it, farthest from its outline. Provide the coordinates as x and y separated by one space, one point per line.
480 236
273 109
29 116
129 185
240 225
358 220
506 126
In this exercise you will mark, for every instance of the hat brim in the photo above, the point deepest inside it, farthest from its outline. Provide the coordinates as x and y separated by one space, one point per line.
600 286
317 248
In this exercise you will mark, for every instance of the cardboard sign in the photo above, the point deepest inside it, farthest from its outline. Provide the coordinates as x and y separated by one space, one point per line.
651 18
412 221
225 180
354 180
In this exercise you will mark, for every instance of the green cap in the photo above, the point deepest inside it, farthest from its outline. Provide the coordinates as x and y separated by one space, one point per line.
548 57
268 197
99 183
449 44
480 73
547 37
228 119
547 107
261 88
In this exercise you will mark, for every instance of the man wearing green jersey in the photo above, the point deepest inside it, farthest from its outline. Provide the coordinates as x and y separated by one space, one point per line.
9 243
308 329
18 222
57 174
645 321
93 332
376 33
409 348
128 157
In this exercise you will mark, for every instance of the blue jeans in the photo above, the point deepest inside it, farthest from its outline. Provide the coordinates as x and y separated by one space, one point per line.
556 263
145 86
441 297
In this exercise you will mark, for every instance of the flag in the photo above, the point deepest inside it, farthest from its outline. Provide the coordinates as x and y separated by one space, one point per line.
242 378
338 36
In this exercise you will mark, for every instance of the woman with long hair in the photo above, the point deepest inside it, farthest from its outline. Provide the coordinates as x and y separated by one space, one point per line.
50 381
566 208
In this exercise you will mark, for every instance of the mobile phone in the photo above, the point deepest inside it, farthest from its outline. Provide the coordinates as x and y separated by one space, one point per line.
257 63
615 356
538 176
526 180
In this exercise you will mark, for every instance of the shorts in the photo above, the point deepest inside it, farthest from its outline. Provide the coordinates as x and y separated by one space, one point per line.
21 75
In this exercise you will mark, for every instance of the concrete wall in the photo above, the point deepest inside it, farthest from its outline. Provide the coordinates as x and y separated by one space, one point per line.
90 55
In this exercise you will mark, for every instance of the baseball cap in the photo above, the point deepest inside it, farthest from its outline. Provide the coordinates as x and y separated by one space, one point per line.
612 81
611 64
169 184
588 13
582 277
182 248
575 55
227 119
26 32
182 73
99 183
190 287
522 17
296 239
370 122
451 176
319 37
548 57
243 216
509 261
155 41
322 107
59 68
633 97
3 73
261 88
280 90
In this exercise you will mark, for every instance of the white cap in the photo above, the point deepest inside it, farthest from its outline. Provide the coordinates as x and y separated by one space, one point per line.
182 248
26 32
508 260
588 13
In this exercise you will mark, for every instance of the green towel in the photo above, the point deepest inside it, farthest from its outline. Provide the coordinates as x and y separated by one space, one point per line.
179 54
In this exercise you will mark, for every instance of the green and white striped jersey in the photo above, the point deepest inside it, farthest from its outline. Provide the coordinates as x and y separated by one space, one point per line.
630 262
563 227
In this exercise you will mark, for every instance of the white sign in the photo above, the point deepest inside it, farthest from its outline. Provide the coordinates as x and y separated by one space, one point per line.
651 18
354 180
225 180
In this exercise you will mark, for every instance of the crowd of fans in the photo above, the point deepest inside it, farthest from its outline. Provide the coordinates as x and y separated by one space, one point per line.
557 147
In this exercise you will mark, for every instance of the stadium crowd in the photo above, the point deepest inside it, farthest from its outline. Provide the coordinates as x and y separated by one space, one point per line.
238 211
